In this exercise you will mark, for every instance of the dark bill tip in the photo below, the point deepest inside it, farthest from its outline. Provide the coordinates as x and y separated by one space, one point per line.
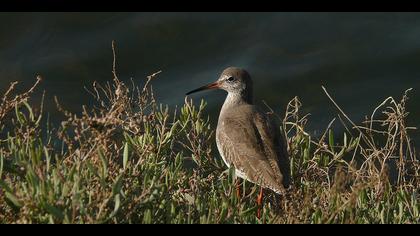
205 87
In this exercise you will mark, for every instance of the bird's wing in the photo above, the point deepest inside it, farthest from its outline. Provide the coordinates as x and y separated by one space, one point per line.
275 144
249 144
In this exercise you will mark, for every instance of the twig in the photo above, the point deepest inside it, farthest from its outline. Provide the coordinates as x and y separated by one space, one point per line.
344 114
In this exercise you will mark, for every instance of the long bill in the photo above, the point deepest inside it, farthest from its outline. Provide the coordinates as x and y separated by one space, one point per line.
205 87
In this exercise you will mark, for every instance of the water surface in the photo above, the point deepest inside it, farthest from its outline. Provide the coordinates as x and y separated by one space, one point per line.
361 58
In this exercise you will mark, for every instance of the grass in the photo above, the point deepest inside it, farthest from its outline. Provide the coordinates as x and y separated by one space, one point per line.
129 159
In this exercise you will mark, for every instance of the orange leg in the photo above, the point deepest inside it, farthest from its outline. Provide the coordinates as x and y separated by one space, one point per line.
259 203
238 189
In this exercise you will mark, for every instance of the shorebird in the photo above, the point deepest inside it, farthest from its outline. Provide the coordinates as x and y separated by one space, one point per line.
247 138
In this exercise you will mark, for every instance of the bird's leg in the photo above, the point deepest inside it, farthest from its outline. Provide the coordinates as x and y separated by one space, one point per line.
238 189
259 203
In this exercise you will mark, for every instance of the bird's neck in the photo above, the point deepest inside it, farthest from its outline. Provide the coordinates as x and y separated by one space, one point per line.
235 99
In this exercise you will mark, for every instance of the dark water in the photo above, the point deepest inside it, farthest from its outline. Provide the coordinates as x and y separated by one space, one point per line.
361 58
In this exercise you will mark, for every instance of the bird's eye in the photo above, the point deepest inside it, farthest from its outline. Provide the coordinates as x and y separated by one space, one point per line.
230 79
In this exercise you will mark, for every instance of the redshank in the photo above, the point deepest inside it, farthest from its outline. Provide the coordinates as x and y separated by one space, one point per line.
247 138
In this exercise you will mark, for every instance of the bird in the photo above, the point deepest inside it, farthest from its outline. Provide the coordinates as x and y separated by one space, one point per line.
248 138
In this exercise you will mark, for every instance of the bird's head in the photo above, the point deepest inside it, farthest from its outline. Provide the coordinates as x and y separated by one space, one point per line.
233 80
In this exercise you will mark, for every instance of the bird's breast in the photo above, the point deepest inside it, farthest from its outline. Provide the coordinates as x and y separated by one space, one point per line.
222 149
